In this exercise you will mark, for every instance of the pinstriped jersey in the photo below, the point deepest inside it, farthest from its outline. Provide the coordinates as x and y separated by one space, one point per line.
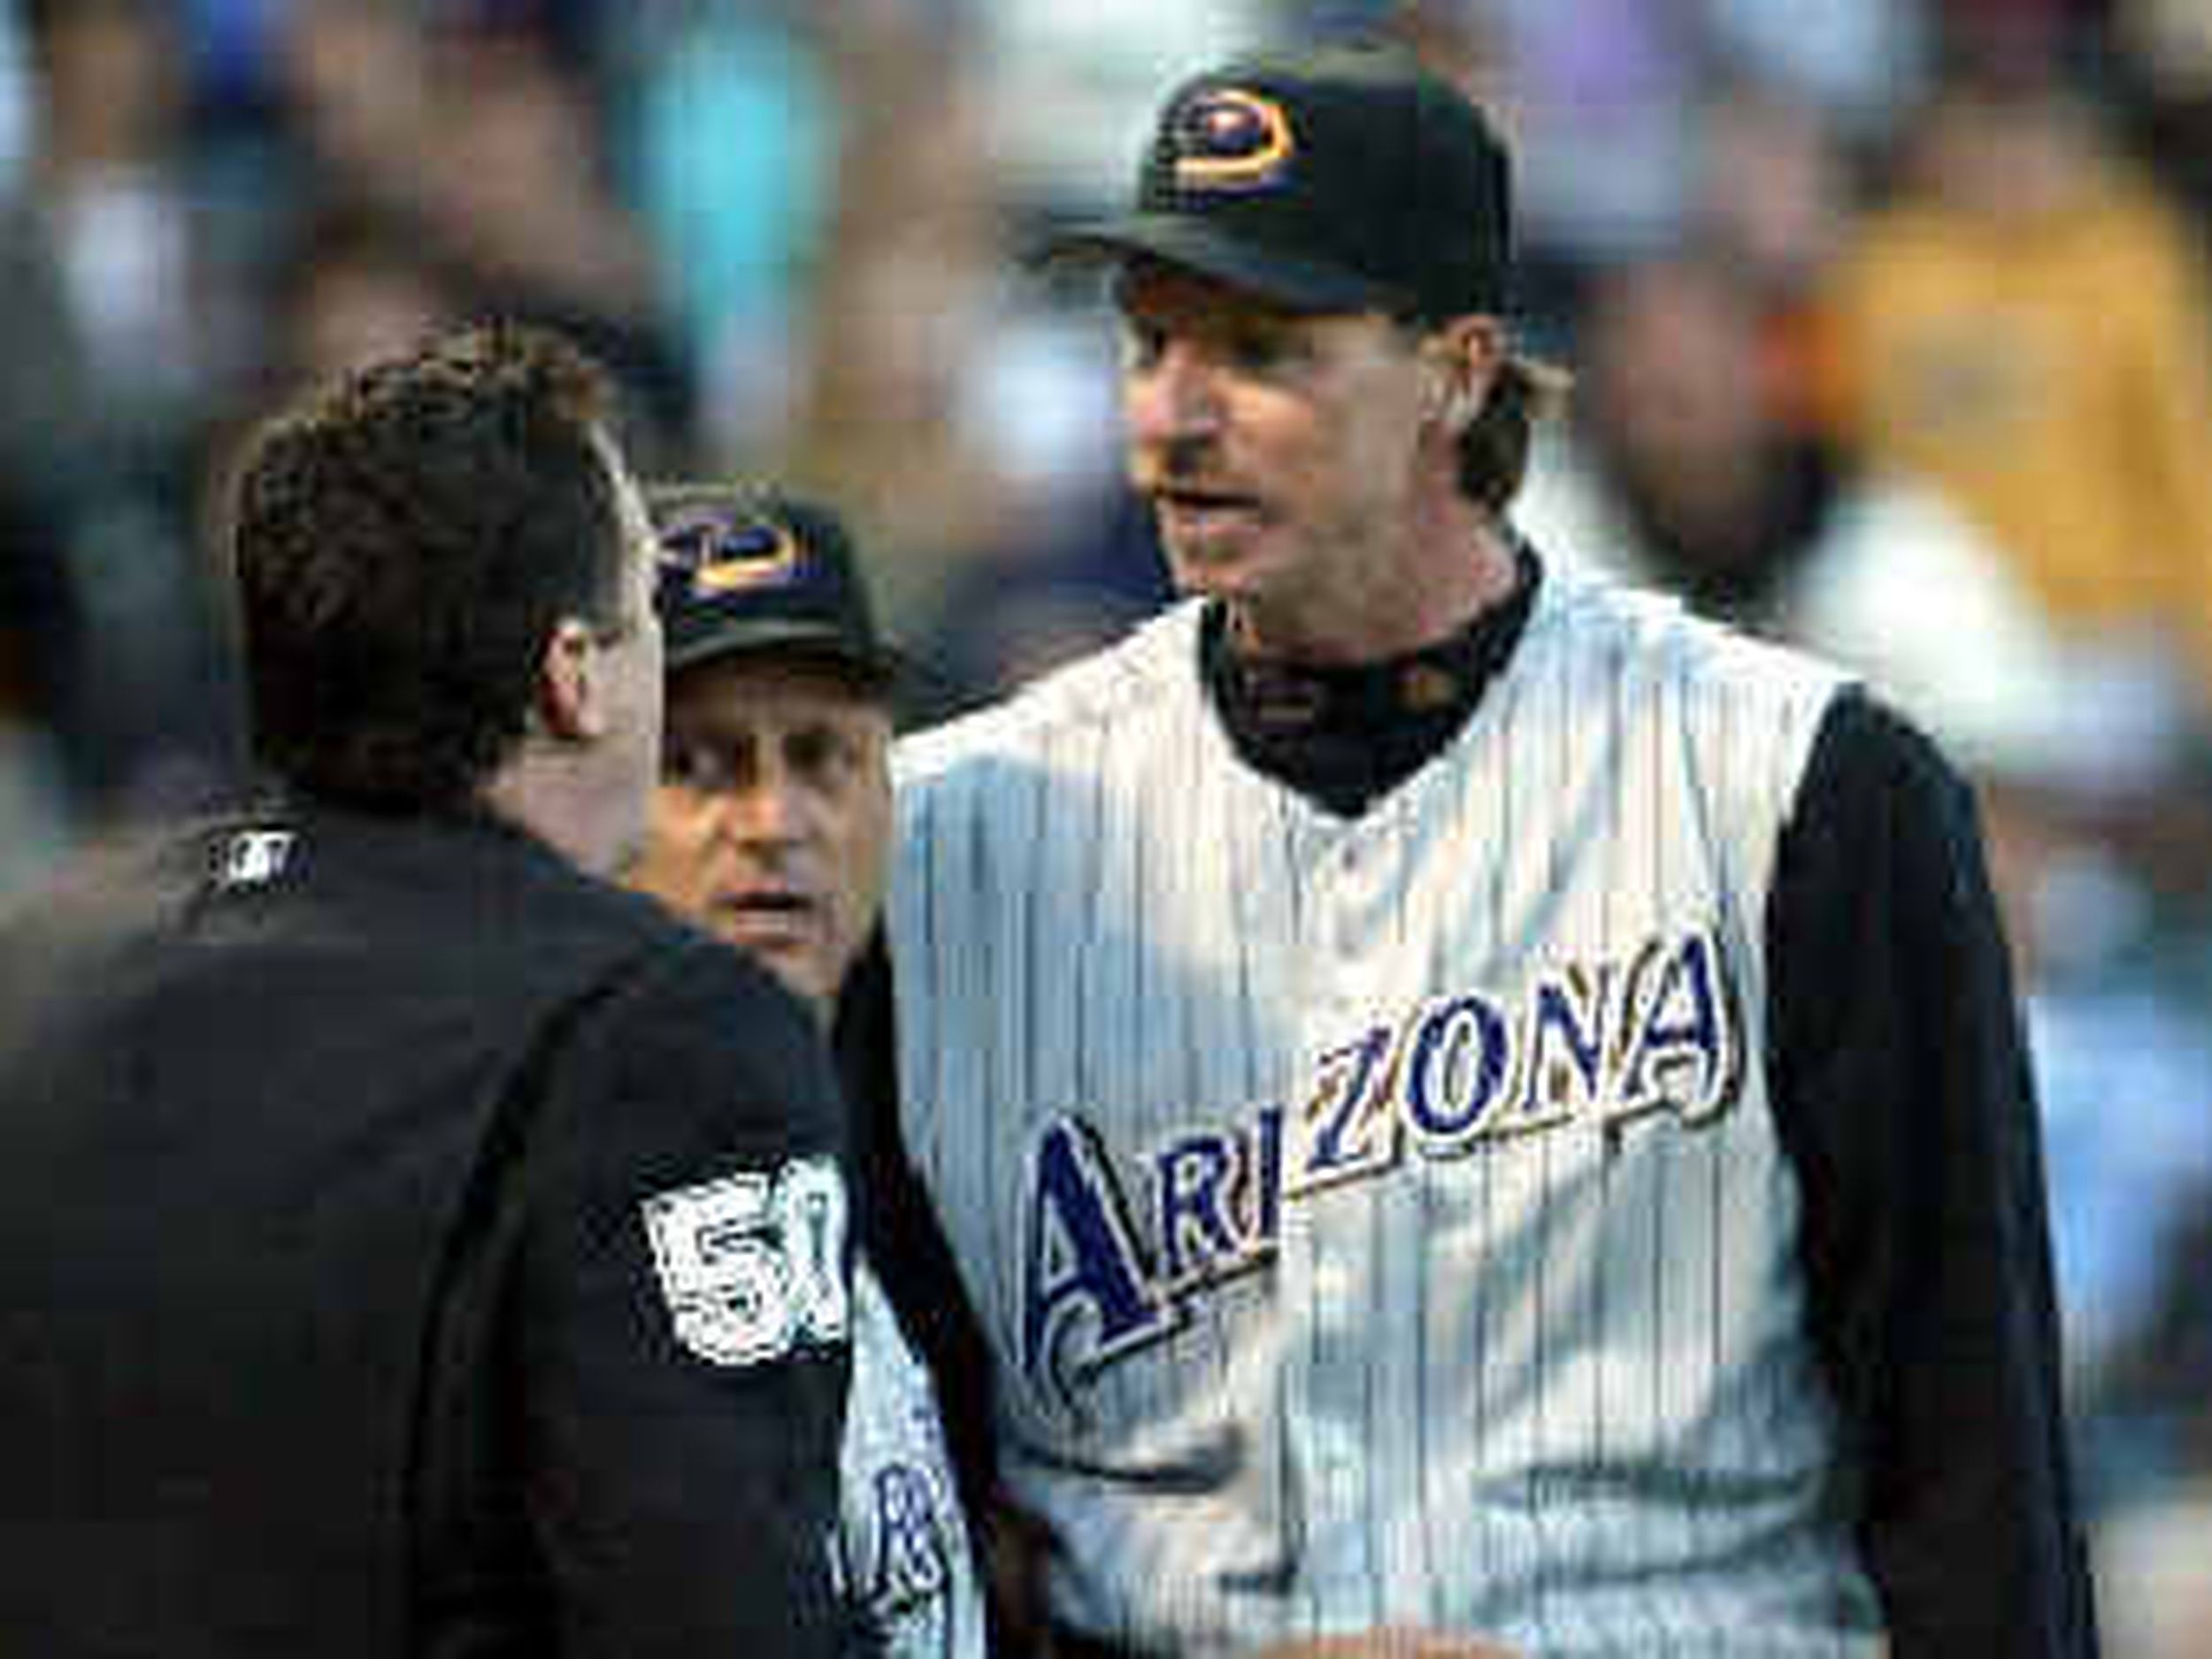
904 1559
1382 1220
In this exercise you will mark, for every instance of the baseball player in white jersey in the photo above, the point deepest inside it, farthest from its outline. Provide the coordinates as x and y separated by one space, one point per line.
1464 1100
770 828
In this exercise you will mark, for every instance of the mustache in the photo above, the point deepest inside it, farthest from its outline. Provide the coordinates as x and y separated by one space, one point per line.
1177 461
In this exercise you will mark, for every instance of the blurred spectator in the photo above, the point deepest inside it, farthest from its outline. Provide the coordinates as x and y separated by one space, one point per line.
731 128
1858 63
117 321
573 31
2165 1375
524 210
1771 193
2155 1565
2026 326
1601 97
2164 57
905 310
1685 466
355 82
1070 86
352 289
2124 1061
1081 574
477 126
1677 470
15 98
1773 200
1071 560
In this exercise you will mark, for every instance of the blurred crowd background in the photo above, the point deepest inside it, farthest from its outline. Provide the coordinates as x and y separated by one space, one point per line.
1890 321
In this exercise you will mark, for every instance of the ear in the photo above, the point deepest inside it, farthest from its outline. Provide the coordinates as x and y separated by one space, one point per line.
568 702
1463 357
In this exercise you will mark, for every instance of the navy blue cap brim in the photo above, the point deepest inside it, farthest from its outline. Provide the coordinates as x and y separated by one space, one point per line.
1195 245
776 636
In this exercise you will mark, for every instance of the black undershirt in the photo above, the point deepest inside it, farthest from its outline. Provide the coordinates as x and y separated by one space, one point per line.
1345 736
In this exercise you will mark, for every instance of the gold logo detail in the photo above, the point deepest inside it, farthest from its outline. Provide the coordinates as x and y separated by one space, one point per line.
752 556
1228 138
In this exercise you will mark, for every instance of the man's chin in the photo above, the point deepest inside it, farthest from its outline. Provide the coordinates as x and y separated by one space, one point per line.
792 961
1195 551
1233 583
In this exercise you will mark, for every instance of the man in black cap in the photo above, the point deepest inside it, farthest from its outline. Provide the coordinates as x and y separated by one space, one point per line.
1464 1098
770 828
773 815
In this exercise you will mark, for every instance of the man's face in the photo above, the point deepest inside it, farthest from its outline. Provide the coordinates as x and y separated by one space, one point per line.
1278 450
771 826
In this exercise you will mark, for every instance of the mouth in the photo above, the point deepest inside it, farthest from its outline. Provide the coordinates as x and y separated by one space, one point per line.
1190 512
766 918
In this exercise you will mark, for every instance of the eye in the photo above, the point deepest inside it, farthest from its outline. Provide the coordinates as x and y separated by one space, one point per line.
1142 344
1262 348
822 754
702 768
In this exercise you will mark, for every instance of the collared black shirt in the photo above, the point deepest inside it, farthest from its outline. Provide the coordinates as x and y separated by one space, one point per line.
354 1172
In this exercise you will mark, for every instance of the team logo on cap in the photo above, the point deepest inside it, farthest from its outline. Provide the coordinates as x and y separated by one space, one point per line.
728 559
1228 139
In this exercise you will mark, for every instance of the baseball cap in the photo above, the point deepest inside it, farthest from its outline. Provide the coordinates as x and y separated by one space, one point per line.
756 570
1344 177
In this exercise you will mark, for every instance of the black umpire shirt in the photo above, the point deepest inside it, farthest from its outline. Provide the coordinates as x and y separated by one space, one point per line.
383 1214
1903 1100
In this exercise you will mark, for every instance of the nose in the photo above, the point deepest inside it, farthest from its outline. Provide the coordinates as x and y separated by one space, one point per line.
1174 398
764 812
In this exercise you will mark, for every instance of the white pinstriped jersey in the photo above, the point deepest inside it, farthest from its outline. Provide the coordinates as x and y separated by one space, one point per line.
903 1558
1383 1220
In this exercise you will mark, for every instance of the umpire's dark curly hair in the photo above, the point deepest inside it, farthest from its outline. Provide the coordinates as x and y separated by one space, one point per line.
406 539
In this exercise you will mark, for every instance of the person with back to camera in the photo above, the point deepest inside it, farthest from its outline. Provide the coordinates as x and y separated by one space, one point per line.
414 1244
1468 1103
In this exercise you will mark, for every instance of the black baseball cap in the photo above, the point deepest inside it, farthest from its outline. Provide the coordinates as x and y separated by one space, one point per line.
747 569
1344 177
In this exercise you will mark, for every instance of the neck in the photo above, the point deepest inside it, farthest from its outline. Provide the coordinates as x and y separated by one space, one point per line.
1448 569
537 793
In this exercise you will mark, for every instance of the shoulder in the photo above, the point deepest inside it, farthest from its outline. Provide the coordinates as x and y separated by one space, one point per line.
484 907
99 907
693 1041
465 912
1876 769
1585 622
1620 671
689 1141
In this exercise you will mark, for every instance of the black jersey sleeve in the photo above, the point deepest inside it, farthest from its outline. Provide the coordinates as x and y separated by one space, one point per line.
905 1245
682 1313
1905 1100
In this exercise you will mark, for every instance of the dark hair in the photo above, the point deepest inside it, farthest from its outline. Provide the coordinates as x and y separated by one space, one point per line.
1494 448
407 538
